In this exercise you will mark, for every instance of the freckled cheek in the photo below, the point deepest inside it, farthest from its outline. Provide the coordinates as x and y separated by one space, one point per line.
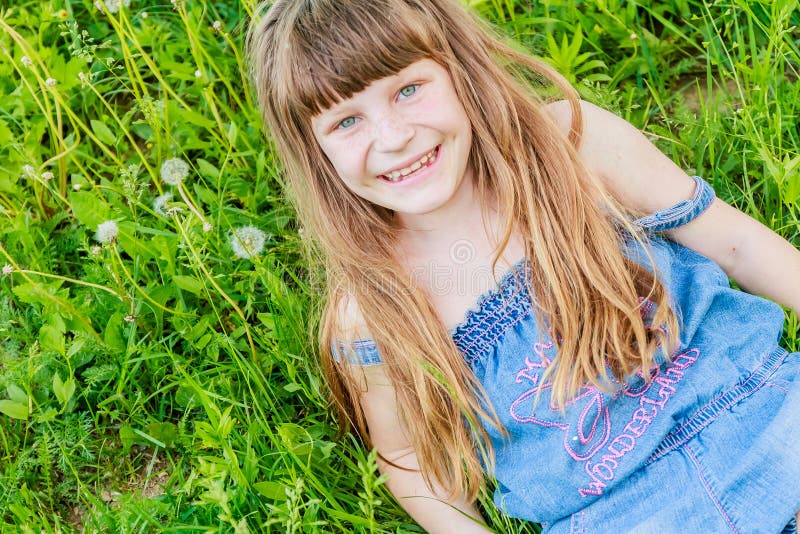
349 156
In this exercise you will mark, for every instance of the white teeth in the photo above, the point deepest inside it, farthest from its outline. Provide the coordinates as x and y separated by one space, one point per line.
395 176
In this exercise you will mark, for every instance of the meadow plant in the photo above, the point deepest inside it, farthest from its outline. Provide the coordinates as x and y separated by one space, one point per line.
247 242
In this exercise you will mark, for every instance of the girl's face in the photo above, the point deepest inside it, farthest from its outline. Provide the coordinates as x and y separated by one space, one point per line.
402 142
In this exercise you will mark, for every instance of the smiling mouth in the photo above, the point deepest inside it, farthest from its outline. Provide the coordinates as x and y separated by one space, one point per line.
407 172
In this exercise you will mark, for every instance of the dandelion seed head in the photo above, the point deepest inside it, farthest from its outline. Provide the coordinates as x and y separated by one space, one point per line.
7 269
160 204
76 187
50 82
144 14
113 5
247 242
107 232
634 36
25 60
28 171
207 227
217 25
198 74
174 171
95 250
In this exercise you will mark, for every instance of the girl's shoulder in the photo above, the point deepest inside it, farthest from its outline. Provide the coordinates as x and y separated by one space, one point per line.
630 167
350 319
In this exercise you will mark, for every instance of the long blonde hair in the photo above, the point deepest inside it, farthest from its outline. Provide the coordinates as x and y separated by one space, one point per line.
306 55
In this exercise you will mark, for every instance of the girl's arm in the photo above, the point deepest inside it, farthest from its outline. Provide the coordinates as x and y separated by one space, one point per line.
429 508
641 177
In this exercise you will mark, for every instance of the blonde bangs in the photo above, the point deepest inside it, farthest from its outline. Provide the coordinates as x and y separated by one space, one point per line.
337 53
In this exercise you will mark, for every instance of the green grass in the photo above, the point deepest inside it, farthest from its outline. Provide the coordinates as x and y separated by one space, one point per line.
162 382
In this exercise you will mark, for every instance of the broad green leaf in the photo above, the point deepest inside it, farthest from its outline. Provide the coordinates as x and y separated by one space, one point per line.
134 246
17 394
207 169
15 410
113 333
50 338
271 490
63 390
127 436
88 208
103 132
165 432
188 283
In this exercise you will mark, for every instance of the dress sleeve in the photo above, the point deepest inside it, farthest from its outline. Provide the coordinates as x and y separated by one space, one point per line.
682 212
359 352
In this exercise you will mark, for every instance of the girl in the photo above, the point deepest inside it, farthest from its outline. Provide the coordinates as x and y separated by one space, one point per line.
610 380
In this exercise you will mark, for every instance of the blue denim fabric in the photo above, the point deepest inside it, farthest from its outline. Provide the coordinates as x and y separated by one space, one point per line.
710 444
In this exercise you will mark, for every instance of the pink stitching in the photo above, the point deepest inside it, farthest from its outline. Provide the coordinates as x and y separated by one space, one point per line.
595 405
708 489
603 472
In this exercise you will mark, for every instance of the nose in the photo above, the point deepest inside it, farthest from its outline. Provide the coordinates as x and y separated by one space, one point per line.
392 133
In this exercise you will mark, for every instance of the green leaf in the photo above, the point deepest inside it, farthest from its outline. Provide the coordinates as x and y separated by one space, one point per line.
127 436
17 394
133 245
165 432
103 132
88 208
63 390
50 338
271 490
15 410
189 283
207 169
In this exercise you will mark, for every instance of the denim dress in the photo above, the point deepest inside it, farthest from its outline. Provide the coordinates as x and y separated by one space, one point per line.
710 444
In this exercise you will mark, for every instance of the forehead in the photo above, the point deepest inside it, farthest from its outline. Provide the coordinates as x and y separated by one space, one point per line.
421 68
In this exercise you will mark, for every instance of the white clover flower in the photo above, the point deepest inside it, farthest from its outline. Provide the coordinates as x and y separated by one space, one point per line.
76 187
107 232
51 82
28 171
247 242
48 175
217 25
160 204
7 269
25 60
198 73
207 227
174 171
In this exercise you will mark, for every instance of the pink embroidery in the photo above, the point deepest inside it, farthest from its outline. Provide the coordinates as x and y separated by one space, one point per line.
594 423
593 430
603 471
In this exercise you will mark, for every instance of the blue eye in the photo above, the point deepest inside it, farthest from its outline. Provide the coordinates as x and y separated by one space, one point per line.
409 90
346 123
